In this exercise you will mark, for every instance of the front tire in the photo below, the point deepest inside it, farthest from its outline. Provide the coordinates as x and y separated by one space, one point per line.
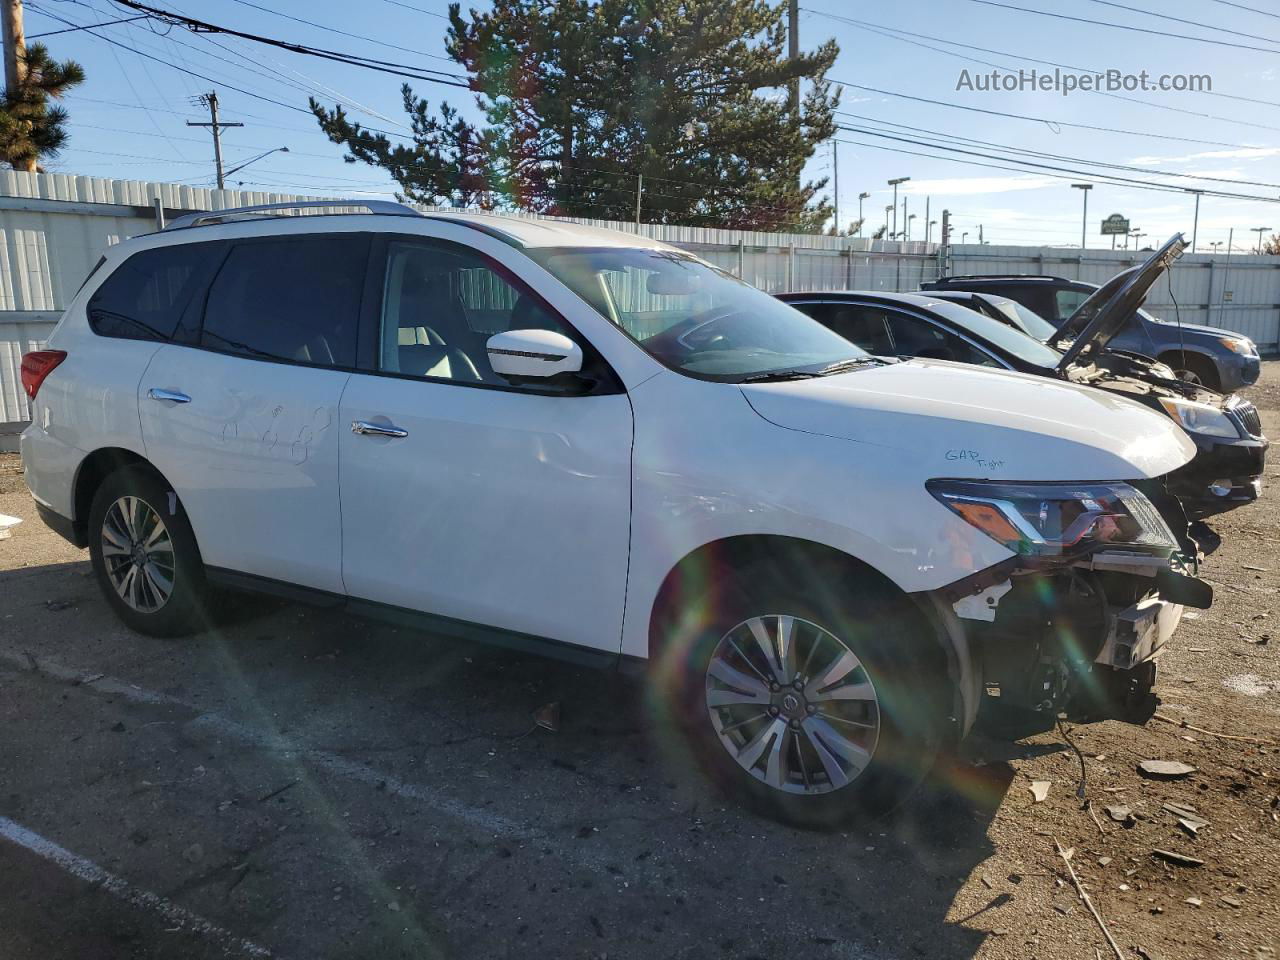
815 705
144 555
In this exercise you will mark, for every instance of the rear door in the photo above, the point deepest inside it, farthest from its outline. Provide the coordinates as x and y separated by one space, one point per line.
243 421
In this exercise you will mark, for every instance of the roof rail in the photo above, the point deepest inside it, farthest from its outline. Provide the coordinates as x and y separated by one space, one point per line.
967 278
381 207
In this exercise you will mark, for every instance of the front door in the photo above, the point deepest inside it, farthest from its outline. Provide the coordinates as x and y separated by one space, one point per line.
467 496
244 422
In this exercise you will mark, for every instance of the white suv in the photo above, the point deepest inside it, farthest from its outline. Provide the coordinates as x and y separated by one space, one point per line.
597 445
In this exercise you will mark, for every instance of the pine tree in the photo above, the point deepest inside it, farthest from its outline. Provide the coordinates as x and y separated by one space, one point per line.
31 129
448 162
583 97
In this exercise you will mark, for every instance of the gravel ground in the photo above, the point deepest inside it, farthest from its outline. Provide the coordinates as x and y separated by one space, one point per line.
313 785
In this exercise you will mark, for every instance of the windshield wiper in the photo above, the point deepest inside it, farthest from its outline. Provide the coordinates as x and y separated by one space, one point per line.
851 363
775 375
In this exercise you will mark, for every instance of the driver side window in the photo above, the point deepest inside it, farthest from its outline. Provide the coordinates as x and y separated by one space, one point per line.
440 305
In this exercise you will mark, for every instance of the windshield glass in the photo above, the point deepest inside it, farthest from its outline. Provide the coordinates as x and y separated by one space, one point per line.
1009 339
694 317
1030 321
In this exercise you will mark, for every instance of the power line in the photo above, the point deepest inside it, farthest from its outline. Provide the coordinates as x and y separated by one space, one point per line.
1120 26
189 72
1136 185
407 6
1051 123
342 33
1241 6
1054 156
893 32
1192 23
381 66
88 26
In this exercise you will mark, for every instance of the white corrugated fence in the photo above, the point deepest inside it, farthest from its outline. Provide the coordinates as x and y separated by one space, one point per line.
53 228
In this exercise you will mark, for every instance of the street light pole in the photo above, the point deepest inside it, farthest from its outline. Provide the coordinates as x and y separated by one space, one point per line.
1084 219
909 219
887 208
260 156
1195 224
861 197
894 183
1259 231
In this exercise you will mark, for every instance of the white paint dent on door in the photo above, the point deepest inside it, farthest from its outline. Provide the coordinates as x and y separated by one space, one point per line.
254 457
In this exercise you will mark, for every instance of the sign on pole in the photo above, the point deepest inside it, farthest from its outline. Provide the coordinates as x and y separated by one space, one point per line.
1115 224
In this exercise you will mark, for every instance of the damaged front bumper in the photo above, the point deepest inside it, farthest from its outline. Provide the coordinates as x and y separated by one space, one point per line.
1080 640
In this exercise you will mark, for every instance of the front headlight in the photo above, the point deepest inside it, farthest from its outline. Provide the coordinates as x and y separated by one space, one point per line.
1241 345
1057 521
1200 418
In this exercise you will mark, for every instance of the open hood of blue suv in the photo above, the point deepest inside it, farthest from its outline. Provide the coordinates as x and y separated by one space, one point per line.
1104 314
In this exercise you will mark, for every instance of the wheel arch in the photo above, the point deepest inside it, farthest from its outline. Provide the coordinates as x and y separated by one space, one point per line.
686 598
1170 355
93 470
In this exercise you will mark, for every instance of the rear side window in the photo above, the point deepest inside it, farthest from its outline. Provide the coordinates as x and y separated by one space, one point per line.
294 299
144 298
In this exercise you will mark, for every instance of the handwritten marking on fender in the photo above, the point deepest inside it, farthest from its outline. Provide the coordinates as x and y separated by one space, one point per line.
976 458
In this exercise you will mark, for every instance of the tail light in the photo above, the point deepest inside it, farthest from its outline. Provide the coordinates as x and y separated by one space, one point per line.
38 365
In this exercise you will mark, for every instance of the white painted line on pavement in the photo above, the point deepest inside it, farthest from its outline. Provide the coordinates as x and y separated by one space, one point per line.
491 823
120 888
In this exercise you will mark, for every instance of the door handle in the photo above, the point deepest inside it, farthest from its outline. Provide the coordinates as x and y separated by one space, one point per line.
365 428
155 393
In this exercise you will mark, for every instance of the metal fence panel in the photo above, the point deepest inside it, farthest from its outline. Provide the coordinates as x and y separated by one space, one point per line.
53 228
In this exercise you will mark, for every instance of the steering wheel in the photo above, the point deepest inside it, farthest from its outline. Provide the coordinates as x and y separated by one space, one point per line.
694 334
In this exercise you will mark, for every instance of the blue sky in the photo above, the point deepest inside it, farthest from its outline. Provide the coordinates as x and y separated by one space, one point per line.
129 118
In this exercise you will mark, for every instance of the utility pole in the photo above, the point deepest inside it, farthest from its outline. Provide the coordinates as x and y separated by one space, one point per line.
639 194
980 240
1195 224
1084 219
835 176
906 224
926 218
793 53
210 100
15 57
1226 274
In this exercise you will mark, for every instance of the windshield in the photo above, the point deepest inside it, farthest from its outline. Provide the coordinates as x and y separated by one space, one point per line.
694 317
1030 321
1009 339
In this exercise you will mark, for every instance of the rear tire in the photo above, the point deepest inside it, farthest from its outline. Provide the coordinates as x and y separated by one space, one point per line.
851 738
144 555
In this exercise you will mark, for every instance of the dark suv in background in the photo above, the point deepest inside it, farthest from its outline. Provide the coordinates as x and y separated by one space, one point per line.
1214 358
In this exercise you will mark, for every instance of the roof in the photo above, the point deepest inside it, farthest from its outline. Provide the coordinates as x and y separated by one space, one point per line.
528 232
906 299
515 230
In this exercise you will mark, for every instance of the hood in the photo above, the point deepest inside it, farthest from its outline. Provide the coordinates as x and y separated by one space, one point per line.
1197 329
1109 308
964 421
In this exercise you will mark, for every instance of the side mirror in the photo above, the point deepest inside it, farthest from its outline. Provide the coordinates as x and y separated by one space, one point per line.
533 354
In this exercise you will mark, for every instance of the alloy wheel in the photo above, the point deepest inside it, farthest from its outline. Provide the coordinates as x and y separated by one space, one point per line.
137 553
792 704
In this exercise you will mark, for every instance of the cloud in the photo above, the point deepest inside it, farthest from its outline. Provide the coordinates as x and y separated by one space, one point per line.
1241 153
970 186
